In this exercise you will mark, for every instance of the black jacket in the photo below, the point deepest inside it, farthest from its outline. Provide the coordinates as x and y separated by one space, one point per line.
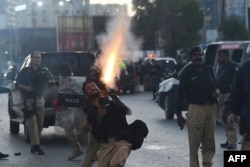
111 124
225 76
38 80
196 86
241 98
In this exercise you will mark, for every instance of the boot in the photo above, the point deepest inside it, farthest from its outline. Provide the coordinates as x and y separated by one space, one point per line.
77 151
2 155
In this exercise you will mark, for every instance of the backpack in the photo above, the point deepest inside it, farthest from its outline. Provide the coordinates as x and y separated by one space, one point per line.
139 131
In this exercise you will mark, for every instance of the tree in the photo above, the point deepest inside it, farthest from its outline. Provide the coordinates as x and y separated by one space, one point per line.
177 21
234 29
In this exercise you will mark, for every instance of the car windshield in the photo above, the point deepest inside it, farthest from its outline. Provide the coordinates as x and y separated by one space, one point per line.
166 64
80 62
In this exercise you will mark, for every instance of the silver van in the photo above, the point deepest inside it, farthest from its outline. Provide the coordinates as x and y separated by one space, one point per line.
239 52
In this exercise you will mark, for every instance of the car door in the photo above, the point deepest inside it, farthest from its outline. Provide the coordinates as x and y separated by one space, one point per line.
15 96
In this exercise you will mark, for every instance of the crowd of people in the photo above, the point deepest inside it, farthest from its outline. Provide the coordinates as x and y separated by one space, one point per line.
102 119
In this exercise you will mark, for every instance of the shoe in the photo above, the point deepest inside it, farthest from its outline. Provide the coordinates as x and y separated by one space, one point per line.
231 146
77 151
36 149
3 155
224 145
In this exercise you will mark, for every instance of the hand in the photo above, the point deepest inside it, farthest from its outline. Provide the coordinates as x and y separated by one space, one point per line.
181 121
103 94
28 89
231 118
215 94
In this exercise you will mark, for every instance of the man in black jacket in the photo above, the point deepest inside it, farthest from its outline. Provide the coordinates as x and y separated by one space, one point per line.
108 125
224 77
33 81
241 104
197 85
155 73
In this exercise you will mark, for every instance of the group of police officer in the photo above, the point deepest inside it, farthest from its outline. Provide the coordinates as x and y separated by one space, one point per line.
228 90
111 138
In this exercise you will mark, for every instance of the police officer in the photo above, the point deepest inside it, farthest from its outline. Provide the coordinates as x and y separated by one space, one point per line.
241 104
155 72
197 85
32 82
70 118
224 77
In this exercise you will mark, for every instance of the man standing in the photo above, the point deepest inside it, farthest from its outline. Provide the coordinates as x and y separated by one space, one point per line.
197 84
108 125
224 76
32 82
155 72
241 104
70 118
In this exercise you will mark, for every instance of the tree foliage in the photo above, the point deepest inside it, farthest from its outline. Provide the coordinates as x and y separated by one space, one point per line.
234 29
177 22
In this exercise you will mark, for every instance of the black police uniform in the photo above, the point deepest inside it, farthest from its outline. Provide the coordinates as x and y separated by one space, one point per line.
37 80
34 102
225 76
241 102
155 72
197 88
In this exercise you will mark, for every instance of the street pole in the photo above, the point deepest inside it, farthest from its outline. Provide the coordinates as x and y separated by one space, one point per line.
221 10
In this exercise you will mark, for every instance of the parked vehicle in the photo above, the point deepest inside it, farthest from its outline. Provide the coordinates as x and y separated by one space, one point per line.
167 93
166 63
80 63
239 52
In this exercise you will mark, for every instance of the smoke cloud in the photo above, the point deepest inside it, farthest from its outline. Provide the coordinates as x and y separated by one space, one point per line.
118 44
121 24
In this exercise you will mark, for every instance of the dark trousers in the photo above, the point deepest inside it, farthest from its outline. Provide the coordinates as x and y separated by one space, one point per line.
155 81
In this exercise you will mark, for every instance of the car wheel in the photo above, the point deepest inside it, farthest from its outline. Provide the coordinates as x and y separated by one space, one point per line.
26 132
169 108
14 127
161 100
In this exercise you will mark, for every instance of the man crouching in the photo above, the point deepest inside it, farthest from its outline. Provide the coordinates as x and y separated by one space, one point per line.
107 119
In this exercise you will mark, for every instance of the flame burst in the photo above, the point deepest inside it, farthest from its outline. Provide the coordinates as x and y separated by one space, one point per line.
112 53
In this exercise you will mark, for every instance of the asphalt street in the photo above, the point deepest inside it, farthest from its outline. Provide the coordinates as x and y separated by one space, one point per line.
165 146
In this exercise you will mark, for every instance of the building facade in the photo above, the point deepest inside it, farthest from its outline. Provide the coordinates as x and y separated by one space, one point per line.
45 13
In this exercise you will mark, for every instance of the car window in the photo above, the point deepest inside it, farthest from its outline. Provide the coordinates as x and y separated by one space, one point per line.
237 55
167 63
80 62
210 54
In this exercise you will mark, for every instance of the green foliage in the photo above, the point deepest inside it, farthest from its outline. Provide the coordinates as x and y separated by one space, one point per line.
234 29
179 21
